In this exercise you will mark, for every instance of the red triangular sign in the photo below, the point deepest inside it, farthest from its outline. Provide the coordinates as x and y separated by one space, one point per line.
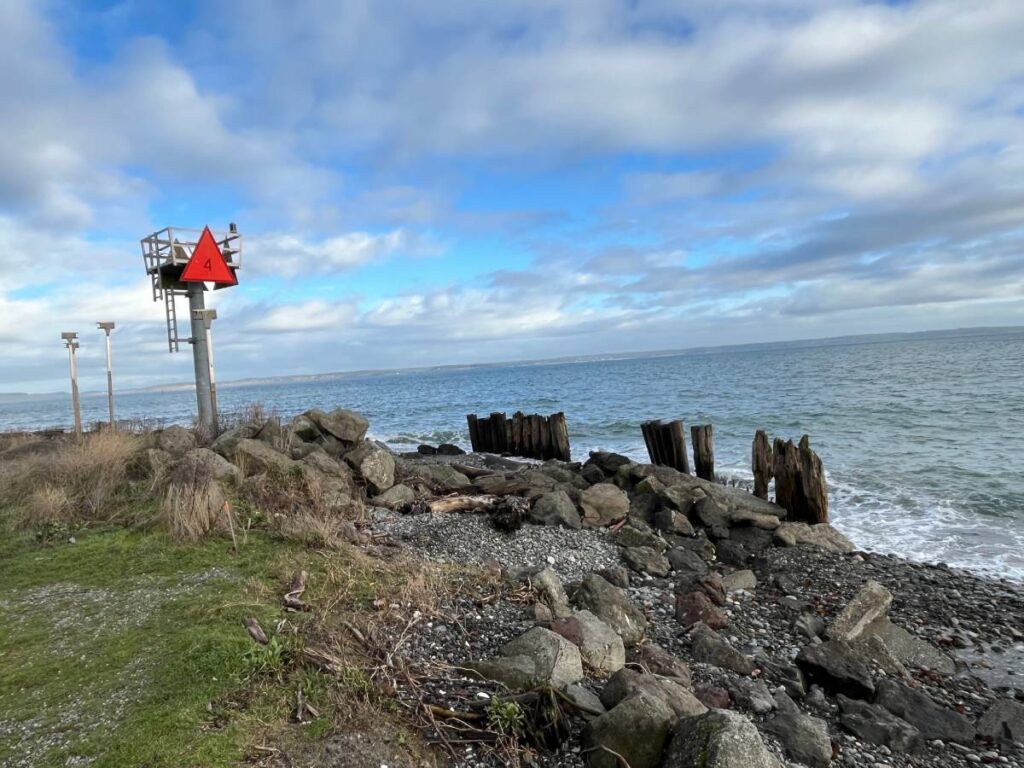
207 264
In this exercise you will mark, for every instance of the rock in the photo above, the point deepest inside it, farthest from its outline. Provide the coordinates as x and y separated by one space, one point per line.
710 584
603 504
592 474
868 605
150 464
709 647
304 428
449 449
638 534
608 463
649 485
441 478
909 649
509 513
686 562
637 729
804 738
326 465
713 696
836 667
556 508
505 484
646 560
657 661
809 625
346 426
710 513
204 462
751 694
822 535
538 657
254 457
1003 722
671 521
176 440
613 607
616 576
586 701
877 725
732 552
680 498
718 739
396 497
599 645
547 583
918 709
374 463
643 506
753 540
739 581
628 682
424 449
695 607
788 676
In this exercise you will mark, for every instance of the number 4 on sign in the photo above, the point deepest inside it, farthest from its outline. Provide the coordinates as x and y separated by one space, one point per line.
207 264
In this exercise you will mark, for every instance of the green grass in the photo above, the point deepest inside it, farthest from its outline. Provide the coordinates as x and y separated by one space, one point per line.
128 649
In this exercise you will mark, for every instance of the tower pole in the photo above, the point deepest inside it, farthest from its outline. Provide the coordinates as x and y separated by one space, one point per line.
201 358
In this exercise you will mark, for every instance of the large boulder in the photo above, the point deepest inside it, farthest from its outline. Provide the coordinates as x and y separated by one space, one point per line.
628 682
375 465
1003 722
657 661
556 508
538 657
822 535
718 739
550 587
646 560
396 497
303 429
637 729
804 738
877 725
917 708
603 504
347 427
671 521
613 606
440 478
709 647
176 440
836 667
599 644
254 457
694 607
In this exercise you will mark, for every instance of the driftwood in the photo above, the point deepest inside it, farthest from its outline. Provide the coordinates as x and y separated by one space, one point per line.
448 504
255 631
815 491
761 461
703 451
293 598
666 444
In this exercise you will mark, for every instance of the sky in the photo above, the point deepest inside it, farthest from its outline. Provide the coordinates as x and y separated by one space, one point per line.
442 183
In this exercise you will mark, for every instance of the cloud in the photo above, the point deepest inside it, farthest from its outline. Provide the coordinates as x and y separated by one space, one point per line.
290 255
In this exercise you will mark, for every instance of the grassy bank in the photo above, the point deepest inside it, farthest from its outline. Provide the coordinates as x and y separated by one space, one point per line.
127 649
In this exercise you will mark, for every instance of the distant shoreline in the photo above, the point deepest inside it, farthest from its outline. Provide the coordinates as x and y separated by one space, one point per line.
828 341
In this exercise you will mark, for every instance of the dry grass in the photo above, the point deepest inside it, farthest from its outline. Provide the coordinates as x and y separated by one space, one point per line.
298 506
68 480
194 503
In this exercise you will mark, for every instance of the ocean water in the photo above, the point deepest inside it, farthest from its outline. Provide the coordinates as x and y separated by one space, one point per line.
922 440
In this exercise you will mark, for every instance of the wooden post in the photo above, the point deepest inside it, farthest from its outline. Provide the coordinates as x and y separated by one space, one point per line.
703 451
815 492
761 461
474 434
677 435
788 481
560 436
497 432
647 428
517 433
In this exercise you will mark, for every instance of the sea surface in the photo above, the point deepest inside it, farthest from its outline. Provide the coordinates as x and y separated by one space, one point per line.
922 440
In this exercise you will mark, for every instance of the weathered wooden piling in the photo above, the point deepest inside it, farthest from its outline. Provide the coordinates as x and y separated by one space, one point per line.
703 451
666 444
761 461
531 436
800 481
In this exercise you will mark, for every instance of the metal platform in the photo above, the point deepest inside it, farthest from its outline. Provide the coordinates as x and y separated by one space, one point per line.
165 254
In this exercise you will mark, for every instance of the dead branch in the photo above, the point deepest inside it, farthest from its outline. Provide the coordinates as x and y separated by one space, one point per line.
255 630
